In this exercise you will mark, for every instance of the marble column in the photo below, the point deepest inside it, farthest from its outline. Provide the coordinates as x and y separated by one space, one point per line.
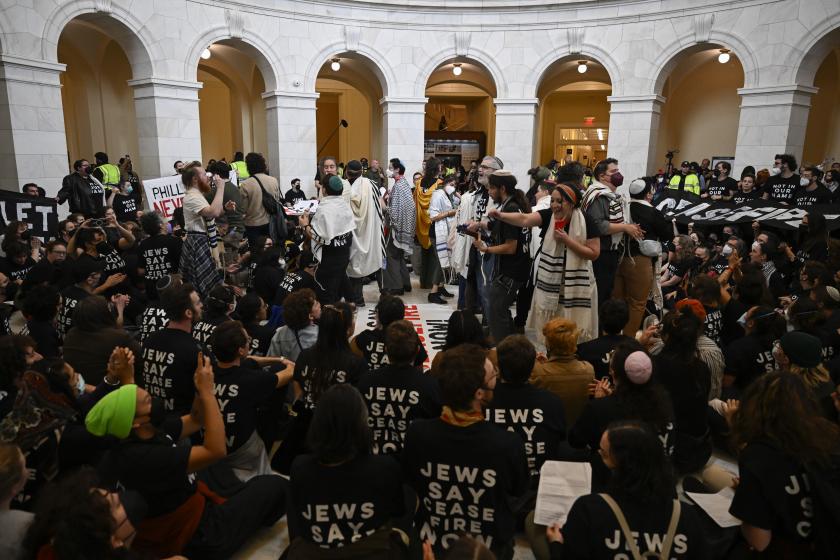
773 121
168 127
292 152
33 145
515 130
632 138
404 126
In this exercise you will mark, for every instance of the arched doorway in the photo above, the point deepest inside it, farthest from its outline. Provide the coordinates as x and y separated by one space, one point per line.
460 121
231 109
702 108
822 134
574 114
98 103
350 87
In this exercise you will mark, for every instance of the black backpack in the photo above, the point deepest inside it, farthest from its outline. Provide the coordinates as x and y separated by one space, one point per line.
278 229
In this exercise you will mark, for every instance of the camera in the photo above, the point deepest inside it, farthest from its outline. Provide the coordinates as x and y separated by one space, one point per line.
98 222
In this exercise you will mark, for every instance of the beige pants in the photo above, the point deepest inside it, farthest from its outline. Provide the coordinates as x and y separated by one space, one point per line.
632 284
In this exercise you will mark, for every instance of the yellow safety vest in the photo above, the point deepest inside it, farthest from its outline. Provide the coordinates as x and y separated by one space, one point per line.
241 169
110 174
692 183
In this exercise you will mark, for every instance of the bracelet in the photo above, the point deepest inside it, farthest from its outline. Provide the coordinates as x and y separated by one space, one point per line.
105 380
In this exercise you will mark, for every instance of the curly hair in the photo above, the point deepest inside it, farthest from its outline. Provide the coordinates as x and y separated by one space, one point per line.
296 308
561 337
642 472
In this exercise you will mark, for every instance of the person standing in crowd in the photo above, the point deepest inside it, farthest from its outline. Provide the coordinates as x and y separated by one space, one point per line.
197 266
685 181
341 470
783 184
637 268
604 207
240 165
510 250
367 253
564 282
402 215
431 275
638 512
722 186
561 372
252 190
461 441
168 356
376 175
331 231
480 266
442 216
81 192
398 392
106 173
235 212
294 193
129 175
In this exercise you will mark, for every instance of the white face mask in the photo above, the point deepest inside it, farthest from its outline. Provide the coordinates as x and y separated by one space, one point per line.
390 173
804 182
449 189
775 171
726 251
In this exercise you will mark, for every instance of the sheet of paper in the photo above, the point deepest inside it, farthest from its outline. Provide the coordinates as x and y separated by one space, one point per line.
561 483
301 206
717 506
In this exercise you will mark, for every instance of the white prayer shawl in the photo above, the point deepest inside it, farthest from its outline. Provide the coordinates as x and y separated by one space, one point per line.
462 243
367 255
332 219
439 204
617 203
564 284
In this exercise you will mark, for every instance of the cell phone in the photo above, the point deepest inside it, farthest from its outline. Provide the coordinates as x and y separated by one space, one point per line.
98 222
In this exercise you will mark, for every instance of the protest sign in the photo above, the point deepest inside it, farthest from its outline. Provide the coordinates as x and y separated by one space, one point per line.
40 214
164 194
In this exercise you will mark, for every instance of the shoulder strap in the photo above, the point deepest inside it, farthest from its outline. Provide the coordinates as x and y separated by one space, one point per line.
625 528
262 188
672 531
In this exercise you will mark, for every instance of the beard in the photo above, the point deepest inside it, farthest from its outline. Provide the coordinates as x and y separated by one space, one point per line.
203 185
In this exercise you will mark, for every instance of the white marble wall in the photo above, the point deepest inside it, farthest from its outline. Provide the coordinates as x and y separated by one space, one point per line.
778 42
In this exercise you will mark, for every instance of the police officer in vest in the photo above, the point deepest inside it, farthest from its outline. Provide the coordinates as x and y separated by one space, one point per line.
106 173
686 181
239 166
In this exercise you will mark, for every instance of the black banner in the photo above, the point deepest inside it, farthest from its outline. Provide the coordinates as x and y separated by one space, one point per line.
687 208
41 214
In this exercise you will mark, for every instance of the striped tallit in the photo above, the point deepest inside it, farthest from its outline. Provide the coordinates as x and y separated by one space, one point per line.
616 210
564 284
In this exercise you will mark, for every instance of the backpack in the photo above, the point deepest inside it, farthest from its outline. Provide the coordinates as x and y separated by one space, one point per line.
636 554
278 230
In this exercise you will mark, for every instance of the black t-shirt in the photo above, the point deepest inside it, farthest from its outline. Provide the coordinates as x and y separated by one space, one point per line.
46 338
597 352
153 319
517 265
592 530
293 196
265 280
344 367
465 479
156 468
732 330
395 397
114 263
820 195
336 255
203 330
238 391
679 268
70 298
773 494
719 265
547 217
291 282
781 189
339 505
688 385
713 324
371 343
260 338
16 271
535 415
598 414
125 207
161 255
749 357
722 188
168 362
740 196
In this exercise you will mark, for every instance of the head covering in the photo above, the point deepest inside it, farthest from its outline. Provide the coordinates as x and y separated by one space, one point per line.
694 305
493 162
802 349
637 186
335 186
114 414
502 173
354 165
541 174
685 164
638 367
569 193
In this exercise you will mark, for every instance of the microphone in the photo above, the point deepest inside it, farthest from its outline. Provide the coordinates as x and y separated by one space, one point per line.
341 124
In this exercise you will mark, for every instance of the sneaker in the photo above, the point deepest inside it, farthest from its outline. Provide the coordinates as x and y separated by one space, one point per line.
436 298
442 291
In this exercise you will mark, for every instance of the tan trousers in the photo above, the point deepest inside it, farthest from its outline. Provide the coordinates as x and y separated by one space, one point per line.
632 284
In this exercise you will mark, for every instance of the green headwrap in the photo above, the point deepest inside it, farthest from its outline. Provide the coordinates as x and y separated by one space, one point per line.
114 414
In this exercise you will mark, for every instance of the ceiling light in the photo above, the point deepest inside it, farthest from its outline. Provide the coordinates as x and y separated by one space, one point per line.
205 54
582 67
723 57
335 64
456 69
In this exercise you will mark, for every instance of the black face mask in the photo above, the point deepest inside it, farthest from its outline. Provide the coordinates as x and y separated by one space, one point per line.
716 172
26 235
698 262
158 414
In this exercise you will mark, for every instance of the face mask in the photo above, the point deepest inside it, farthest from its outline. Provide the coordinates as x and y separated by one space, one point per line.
390 174
726 251
775 171
617 179
158 414
803 182
80 385
742 320
449 189
129 189
716 172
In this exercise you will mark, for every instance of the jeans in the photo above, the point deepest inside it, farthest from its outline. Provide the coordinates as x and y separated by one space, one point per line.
632 284
395 276
500 296
605 268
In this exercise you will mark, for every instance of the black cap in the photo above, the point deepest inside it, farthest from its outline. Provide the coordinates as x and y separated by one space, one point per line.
685 164
354 165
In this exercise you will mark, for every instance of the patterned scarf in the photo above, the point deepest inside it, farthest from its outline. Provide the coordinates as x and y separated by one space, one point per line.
616 211
422 199
460 419
402 215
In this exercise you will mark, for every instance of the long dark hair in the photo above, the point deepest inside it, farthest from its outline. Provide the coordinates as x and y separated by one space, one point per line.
648 402
779 408
642 472
464 328
331 343
508 183
817 231
430 176
339 430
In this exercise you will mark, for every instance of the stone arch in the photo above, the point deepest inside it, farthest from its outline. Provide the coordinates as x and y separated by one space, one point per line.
140 47
669 58
377 64
479 56
266 59
807 56
592 52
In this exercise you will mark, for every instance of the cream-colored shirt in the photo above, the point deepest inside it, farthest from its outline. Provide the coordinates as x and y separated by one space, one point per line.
249 190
